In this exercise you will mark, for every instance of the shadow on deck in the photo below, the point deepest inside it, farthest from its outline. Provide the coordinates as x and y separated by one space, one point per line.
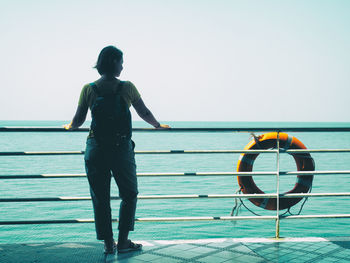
205 250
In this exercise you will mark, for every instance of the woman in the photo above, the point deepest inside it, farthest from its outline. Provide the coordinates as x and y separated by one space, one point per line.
104 159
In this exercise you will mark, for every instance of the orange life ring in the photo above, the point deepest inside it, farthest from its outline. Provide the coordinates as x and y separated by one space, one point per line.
303 161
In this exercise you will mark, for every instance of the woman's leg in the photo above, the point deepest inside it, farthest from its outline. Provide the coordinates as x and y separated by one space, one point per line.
124 172
99 178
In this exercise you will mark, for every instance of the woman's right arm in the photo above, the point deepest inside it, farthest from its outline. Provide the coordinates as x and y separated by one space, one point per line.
81 112
78 119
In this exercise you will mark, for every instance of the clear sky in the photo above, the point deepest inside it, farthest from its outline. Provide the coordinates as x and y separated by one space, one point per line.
191 60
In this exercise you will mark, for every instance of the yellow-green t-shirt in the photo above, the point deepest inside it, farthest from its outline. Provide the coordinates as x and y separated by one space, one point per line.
128 91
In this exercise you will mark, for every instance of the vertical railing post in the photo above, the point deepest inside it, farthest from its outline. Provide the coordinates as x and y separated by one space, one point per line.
278 187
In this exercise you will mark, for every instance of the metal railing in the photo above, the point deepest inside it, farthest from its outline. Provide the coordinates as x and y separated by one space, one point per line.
276 173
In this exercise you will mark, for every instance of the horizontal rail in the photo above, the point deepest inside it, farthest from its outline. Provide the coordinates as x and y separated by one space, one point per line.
180 152
142 152
315 172
194 174
313 195
193 196
318 151
84 198
204 151
316 216
233 129
41 176
174 219
41 153
146 219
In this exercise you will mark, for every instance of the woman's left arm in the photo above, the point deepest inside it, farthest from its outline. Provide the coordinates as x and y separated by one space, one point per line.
78 119
147 115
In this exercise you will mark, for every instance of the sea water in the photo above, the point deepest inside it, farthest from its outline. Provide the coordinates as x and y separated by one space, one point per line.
182 163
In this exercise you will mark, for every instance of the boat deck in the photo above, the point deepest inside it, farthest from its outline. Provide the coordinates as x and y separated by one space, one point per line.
336 249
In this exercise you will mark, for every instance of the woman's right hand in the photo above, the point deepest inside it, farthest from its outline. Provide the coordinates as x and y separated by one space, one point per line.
68 126
163 126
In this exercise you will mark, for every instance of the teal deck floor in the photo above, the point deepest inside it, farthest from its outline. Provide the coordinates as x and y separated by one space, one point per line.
206 251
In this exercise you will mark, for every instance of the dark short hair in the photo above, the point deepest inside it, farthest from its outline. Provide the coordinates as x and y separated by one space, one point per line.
107 60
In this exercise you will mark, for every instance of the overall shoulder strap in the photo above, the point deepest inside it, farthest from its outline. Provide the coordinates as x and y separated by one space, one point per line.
94 88
120 85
